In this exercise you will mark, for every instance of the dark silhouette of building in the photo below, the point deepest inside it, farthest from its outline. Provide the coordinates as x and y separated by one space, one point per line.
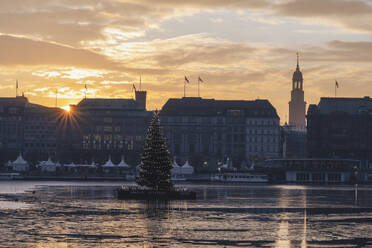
311 170
102 127
208 131
294 142
341 128
28 128
294 134
141 98
297 105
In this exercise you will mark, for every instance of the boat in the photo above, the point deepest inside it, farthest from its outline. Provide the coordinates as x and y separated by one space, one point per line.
239 177
10 176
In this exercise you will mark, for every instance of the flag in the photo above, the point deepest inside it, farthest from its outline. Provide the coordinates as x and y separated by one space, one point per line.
17 83
336 84
187 80
200 80
134 87
85 86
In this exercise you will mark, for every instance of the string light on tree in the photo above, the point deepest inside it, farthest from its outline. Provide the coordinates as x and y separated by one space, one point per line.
155 169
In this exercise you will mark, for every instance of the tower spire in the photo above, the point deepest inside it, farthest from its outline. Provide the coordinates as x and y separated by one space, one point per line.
298 66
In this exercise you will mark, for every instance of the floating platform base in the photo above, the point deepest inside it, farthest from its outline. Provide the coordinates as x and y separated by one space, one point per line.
128 194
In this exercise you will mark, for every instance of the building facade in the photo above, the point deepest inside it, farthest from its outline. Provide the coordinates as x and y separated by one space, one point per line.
297 105
99 128
340 128
28 128
207 131
294 142
312 170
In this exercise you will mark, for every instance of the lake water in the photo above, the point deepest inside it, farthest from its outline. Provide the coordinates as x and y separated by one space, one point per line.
86 214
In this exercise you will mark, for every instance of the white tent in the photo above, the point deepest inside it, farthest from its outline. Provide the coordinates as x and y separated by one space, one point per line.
123 164
187 169
49 165
176 168
109 164
252 166
19 164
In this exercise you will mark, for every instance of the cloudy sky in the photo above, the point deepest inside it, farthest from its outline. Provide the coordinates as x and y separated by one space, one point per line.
242 49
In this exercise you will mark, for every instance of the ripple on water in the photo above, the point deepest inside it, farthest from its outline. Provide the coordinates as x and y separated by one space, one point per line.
13 205
239 216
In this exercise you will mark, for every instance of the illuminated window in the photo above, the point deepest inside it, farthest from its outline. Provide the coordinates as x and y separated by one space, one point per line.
107 129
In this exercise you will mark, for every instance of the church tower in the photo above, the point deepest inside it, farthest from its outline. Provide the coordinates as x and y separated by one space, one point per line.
297 105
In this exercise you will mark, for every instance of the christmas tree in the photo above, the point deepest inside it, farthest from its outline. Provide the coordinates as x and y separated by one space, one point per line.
156 165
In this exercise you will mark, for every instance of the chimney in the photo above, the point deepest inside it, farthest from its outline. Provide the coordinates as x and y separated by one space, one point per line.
141 98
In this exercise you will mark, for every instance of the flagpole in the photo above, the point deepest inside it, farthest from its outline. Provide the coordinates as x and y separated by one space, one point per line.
335 88
335 91
198 88
184 89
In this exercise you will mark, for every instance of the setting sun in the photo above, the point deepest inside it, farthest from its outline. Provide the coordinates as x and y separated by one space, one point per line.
67 108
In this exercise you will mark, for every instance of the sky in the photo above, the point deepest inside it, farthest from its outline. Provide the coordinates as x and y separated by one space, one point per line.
242 49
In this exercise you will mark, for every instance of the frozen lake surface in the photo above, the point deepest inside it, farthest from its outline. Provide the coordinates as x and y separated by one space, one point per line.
86 214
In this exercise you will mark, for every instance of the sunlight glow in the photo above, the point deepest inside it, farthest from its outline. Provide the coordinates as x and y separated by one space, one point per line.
67 108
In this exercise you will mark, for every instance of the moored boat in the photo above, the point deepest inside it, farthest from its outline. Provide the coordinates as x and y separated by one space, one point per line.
239 177
10 176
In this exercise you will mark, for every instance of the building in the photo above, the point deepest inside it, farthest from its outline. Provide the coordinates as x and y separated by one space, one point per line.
297 105
340 128
294 142
28 128
141 98
294 134
99 128
312 170
207 131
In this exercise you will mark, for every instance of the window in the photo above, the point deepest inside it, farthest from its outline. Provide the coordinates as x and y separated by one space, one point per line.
107 129
234 112
107 120
302 177
334 177
318 177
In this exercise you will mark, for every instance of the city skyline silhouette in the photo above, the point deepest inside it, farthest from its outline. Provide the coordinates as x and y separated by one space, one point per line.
242 50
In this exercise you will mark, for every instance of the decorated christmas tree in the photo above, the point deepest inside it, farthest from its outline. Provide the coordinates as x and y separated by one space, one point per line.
155 168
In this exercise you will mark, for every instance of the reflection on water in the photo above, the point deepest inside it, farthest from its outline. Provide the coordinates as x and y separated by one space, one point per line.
12 205
88 215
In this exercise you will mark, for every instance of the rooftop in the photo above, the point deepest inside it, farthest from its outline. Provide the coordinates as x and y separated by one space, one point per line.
344 104
211 107
104 103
